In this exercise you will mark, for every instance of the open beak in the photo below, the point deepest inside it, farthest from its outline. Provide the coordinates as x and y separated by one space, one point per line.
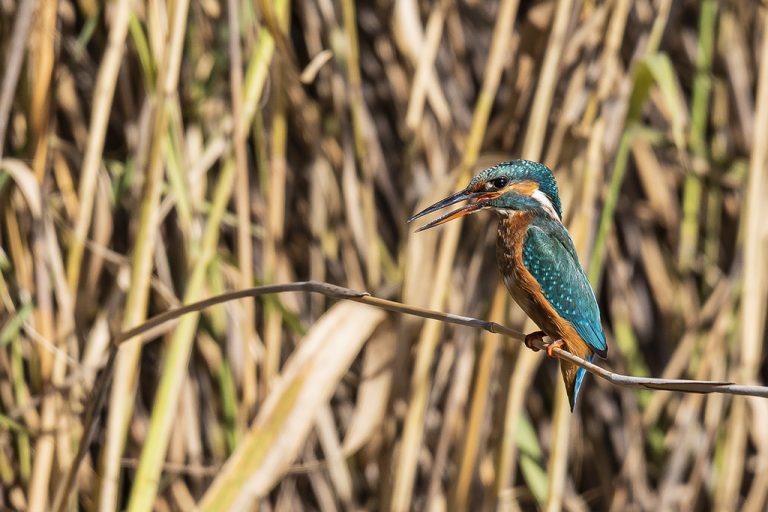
480 201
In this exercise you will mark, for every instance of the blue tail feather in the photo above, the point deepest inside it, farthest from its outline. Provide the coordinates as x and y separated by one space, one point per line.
580 374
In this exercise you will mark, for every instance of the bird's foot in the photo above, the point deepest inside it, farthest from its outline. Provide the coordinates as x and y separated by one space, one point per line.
552 346
529 338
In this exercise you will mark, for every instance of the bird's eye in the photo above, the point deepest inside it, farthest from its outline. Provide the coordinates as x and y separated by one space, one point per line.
500 183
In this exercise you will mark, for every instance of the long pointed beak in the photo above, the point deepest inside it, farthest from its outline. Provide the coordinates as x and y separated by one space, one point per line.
480 203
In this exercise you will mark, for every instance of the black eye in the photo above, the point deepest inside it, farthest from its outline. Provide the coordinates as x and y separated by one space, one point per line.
500 183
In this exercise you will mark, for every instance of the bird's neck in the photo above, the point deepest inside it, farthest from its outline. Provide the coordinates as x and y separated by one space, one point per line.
514 221
511 231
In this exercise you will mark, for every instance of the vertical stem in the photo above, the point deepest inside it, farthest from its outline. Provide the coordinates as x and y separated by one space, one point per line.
558 454
242 206
479 402
104 92
753 297
702 84
43 62
609 208
15 57
357 106
273 234
121 404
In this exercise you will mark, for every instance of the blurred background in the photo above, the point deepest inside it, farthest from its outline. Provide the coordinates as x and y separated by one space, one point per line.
163 151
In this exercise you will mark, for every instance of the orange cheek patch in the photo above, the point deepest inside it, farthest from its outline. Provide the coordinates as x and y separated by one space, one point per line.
525 188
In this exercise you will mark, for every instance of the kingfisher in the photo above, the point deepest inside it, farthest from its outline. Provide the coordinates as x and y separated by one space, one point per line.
536 258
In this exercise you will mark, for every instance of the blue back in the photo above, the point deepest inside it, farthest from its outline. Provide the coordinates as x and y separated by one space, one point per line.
549 255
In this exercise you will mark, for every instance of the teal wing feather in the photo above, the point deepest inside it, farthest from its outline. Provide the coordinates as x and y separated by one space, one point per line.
549 255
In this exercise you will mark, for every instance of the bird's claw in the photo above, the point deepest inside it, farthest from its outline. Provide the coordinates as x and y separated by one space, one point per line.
529 338
552 346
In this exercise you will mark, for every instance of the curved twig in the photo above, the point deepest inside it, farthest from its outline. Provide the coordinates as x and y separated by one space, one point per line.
338 292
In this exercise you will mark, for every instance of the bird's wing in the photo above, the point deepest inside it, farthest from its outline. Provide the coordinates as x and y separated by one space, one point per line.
549 255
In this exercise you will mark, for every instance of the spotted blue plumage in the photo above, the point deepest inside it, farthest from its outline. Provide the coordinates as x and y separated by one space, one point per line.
550 257
525 194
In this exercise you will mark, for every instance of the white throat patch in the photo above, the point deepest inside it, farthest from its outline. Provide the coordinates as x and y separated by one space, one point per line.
545 203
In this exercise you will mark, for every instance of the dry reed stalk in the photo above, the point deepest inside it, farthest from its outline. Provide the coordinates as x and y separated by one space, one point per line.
275 200
356 106
480 396
693 188
410 39
340 474
243 209
123 388
274 233
753 309
52 364
21 28
456 401
104 91
423 79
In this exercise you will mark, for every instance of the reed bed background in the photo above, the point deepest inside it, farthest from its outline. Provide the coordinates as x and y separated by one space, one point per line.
156 153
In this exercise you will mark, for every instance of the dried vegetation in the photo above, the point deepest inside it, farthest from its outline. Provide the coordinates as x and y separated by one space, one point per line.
156 153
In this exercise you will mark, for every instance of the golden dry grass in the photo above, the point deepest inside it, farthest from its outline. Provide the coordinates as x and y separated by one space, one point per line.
157 153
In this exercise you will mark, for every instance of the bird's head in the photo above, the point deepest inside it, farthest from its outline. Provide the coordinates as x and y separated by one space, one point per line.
507 188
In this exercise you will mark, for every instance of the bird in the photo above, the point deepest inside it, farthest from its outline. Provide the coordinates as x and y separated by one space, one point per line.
536 258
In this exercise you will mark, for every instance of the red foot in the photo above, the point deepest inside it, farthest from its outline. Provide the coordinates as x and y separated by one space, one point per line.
529 338
552 346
